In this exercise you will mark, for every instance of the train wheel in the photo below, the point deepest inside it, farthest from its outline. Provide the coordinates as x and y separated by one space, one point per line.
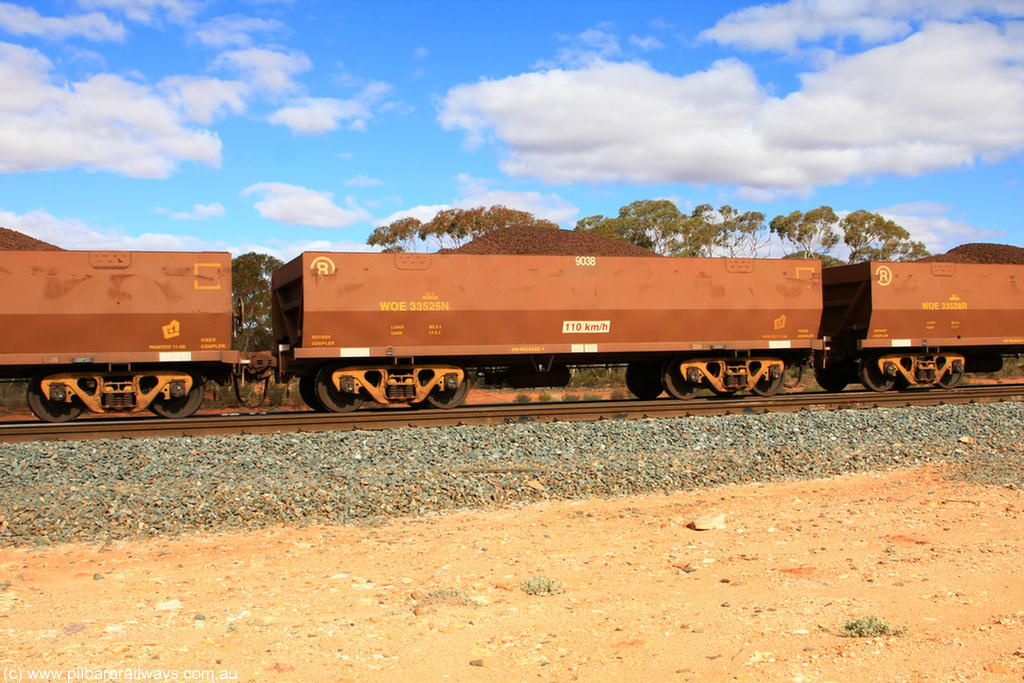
951 379
176 408
307 390
449 398
644 380
51 411
767 386
333 400
831 380
872 377
675 384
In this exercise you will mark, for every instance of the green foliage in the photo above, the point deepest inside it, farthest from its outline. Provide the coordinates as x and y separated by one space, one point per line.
658 225
543 585
545 397
874 238
593 378
451 228
522 398
742 234
570 398
250 285
12 396
869 627
811 235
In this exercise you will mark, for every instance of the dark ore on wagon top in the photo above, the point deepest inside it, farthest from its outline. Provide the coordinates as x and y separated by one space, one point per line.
532 240
979 252
12 240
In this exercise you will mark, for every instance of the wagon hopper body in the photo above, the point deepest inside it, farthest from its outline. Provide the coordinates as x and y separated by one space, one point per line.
115 331
899 324
411 327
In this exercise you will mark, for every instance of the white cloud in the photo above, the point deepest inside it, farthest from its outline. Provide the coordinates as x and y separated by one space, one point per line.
476 192
25 21
298 205
199 212
785 25
944 97
423 213
584 48
930 222
234 30
148 11
646 43
105 123
72 233
481 192
204 99
316 115
364 181
269 70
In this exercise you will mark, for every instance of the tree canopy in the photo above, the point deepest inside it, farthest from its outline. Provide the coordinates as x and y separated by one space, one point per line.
250 287
450 228
659 225
874 238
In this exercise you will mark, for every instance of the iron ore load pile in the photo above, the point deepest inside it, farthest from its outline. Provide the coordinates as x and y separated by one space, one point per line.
526 240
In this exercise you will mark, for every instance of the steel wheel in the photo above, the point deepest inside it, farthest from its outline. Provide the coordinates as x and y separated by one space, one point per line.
333 400
307 390
675 384
176 408
51 411
449 398
832 380
768 386
872 376
951 379
644 380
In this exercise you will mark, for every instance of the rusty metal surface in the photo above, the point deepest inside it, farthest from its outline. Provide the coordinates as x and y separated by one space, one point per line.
62 307
935 304
400 418
334 305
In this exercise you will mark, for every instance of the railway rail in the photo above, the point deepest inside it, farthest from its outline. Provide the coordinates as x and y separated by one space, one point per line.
393 418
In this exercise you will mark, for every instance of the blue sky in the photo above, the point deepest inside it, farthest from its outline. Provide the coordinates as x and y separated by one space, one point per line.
283 126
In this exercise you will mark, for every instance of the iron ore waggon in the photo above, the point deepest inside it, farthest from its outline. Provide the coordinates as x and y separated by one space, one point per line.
898 324
414 328
115 331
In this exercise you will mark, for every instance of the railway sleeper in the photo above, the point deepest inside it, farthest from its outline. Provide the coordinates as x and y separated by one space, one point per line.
112 392
728 376
399 384
898 369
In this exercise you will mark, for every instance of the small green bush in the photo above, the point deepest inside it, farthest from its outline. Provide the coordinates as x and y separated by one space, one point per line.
522 398
543 585
545 397
869 627
570 397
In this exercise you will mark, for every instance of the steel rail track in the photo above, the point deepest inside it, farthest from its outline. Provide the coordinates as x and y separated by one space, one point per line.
285 422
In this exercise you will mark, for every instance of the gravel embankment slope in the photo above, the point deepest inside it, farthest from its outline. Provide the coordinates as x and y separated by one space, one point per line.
58 492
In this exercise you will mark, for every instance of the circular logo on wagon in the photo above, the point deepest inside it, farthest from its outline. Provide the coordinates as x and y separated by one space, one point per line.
884 275
322 265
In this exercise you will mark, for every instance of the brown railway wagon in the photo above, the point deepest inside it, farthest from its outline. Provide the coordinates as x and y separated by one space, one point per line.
115 331
408 327
898 324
